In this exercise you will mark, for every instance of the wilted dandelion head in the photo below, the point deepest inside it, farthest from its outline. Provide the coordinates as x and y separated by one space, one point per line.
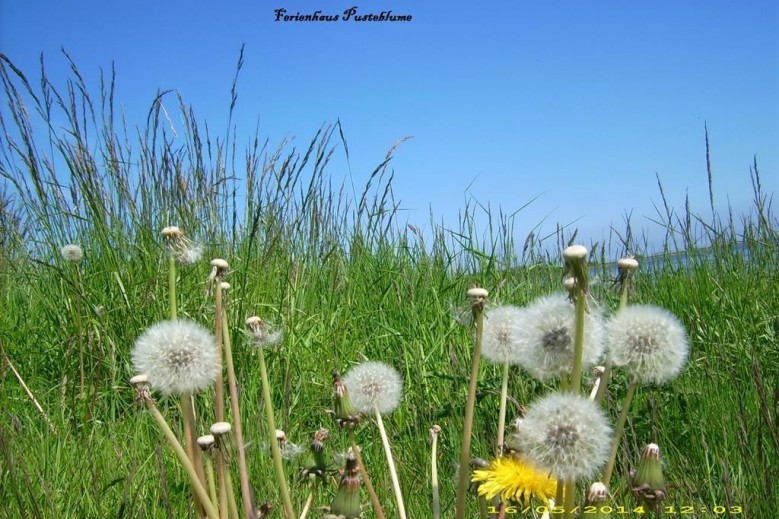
567 434
374 385
72 252
649 342
177 357
545 337
499 343
180 247
262 333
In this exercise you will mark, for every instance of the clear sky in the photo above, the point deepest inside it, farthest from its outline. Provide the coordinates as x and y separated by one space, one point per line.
577 103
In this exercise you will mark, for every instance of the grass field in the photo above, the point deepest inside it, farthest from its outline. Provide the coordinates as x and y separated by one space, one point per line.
346 280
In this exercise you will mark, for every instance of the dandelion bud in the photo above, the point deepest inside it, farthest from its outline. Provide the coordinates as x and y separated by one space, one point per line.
648 481
435 430
598 498
316 466
346 415
346 503
72 252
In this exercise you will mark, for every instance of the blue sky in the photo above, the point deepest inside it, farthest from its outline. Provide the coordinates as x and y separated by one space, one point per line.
576 103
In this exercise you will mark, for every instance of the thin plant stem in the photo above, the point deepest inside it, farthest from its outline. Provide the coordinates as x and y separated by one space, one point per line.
309 500
211 478
200 491
231 496
391 463
483 507
219 398
504 389
366 477
190 438
434 478
243 472
559 495
280 477
623 302
606 479
465 454
578 346
569 498
172 305
221 476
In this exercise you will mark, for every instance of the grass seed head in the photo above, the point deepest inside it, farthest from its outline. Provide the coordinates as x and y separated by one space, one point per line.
565 433
374 385
178 357
648 342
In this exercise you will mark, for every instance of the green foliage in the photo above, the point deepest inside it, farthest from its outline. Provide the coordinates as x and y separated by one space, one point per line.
346 281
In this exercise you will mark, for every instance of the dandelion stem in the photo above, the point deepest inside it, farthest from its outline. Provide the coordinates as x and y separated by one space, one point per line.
366 477
559 495
221 475
623 302
578 347
280 477
434 474
391 463
210 476
569 501
504 389
618 434
200 491
465 455
243 473
231 496
219 389
172 288
190 438
309 500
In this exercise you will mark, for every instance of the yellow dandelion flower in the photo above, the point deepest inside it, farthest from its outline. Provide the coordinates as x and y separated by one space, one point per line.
514 478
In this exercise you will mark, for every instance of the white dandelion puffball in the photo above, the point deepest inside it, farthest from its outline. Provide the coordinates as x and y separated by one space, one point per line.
546 334
499 343
72 252
178 357
374 385
649 342
567 434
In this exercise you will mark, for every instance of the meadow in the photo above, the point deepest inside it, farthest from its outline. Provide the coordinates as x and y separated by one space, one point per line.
346 280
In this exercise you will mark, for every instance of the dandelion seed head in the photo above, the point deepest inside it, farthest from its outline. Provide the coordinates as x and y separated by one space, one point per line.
566 433
177 357
575 252
499 344
649 342
72 252
545 337
374 385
